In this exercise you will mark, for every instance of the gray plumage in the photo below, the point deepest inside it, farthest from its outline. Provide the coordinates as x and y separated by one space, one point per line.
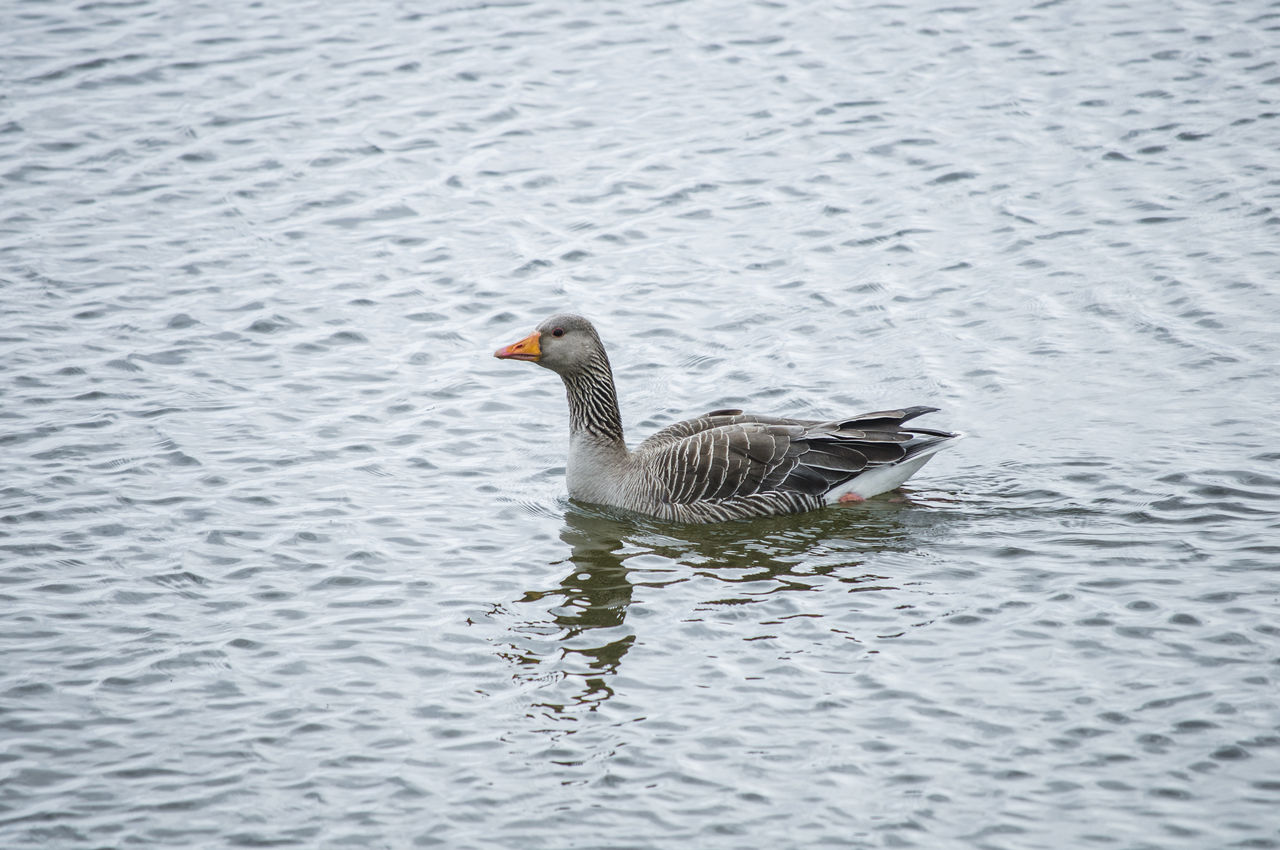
725 464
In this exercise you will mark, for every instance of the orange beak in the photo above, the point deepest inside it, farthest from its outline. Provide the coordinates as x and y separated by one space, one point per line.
525 349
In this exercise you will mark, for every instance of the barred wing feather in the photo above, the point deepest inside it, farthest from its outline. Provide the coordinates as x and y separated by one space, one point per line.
726 454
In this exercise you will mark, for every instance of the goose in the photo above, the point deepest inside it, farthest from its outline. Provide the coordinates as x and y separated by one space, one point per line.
722 465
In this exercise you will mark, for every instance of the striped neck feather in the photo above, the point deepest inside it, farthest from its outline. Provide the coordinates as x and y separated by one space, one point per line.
593 403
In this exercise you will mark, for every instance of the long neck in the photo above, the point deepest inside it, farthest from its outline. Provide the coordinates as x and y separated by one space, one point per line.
593 404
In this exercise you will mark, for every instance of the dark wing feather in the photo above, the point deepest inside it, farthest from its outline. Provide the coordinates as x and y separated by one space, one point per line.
881 419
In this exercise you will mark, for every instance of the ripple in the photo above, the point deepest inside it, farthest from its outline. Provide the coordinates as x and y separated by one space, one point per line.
276 531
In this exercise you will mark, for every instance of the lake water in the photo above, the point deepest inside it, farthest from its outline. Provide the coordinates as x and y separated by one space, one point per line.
286 557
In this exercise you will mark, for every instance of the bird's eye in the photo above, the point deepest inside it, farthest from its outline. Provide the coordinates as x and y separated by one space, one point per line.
558 332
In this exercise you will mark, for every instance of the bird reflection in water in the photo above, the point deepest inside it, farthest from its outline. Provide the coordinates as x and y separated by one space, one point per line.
586 629
577 644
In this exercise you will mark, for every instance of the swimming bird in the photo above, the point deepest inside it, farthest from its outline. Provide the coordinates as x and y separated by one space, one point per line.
725 464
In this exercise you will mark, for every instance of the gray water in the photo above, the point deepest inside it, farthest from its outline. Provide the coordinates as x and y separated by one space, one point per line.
286 557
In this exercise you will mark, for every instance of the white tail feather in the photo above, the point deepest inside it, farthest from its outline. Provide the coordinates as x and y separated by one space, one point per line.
882 479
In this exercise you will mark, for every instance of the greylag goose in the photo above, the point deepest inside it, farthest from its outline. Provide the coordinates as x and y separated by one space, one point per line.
725 464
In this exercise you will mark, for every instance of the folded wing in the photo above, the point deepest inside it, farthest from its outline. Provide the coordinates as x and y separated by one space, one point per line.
726 454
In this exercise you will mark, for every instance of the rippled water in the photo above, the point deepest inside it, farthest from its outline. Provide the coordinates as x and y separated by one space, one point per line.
285 555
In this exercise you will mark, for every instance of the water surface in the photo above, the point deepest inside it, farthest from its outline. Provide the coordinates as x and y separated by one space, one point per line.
285 555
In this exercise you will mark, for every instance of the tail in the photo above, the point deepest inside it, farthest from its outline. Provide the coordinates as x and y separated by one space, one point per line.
873 481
